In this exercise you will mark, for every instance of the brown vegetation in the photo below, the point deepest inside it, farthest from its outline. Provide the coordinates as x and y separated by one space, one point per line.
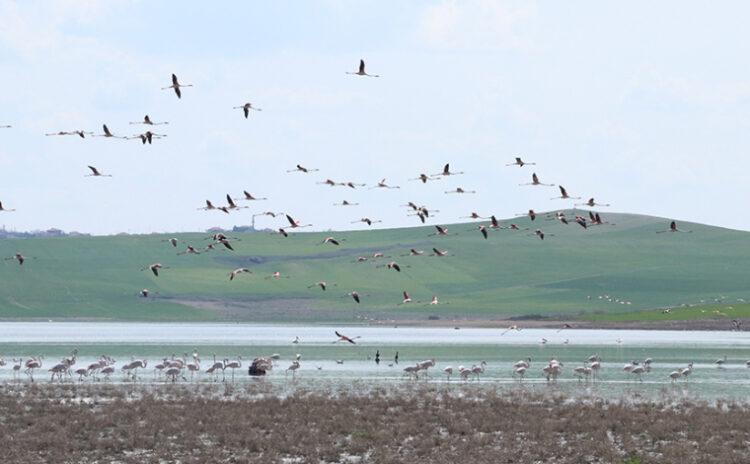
260 423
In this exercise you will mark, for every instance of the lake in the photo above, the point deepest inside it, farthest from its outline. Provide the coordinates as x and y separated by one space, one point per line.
320 352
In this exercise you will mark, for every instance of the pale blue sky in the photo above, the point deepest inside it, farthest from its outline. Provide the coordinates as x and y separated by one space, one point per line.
643 105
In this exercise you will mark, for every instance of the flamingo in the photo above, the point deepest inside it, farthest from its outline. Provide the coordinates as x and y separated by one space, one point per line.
80 133
447 171
155 268
424 178
720 362
250 197
238 271
591 203
687 371
535 181
674 375
473 215
323 285
564 195
361 70
344 338
233 365
439 253
146 137
176 86
20 258
638 371
295 224
95 173
209 206
147 121
345 203
407 298
520 372
539 233
382 184
190 250
232 205
440 231
673 228
107 133
293 367
2 208
246 108
300 168
520 163
460 190
367 221
332 241
448 370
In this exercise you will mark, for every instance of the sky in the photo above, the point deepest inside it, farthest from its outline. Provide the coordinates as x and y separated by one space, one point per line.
641 105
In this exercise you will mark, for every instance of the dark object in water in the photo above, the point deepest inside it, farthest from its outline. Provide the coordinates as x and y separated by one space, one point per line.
259 367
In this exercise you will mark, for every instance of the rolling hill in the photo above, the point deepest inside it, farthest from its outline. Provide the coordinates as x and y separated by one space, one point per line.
511 274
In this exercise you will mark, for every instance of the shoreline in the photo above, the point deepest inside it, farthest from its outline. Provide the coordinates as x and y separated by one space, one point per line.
676 325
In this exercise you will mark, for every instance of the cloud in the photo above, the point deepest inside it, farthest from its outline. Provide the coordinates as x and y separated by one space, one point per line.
478 24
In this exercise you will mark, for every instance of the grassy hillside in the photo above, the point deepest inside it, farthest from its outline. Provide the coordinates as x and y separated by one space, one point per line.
510 274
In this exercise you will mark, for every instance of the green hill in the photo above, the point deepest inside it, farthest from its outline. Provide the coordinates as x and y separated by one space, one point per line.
511 274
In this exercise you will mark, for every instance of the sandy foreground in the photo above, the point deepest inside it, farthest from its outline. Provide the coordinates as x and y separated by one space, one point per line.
260 422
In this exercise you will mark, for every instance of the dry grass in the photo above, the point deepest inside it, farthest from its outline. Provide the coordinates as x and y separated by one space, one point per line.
209 423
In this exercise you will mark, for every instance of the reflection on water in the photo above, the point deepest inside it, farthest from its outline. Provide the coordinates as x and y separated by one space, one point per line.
323 361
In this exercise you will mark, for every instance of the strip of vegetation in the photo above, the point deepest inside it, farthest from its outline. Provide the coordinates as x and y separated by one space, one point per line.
207 424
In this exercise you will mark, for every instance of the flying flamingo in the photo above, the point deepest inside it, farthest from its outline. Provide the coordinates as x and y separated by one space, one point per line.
238 271
232 205
461 190
209 206
295 224
300 168
382 184
95 173
591 203
155 268
246 108
424 178
407 299
535 181
539 233
345 203
190 250
673 228
80 133
441 231
332 241
5 209
355 296
20 258
564 195
447 171
344 338
250 197
147 121
107 133
361 70
6 126
323 285
176 86
367 221
473 215
439 253
520 163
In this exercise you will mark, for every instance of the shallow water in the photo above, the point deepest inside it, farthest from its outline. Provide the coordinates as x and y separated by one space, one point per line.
319 352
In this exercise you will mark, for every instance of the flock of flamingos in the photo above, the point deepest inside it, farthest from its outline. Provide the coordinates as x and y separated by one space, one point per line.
174 368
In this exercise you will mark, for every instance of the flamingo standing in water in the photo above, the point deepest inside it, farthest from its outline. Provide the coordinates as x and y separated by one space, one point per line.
176 86
233 365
